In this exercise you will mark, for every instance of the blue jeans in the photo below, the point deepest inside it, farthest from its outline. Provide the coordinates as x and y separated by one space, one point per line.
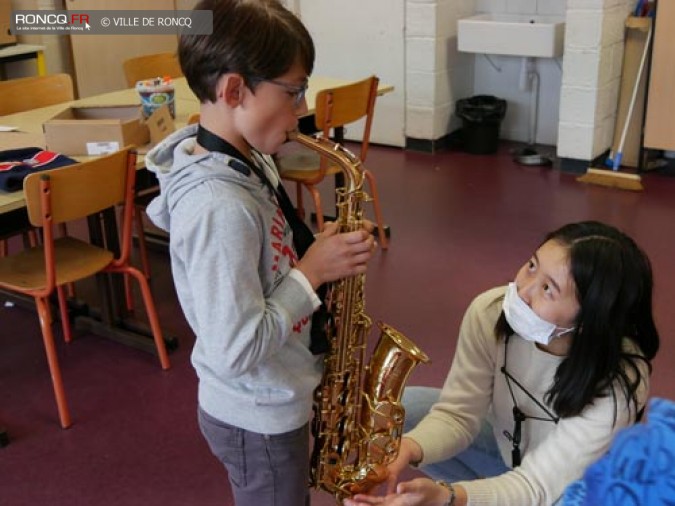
264 469
480 460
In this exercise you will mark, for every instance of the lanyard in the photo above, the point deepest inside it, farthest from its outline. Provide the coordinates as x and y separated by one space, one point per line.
518 415
302 235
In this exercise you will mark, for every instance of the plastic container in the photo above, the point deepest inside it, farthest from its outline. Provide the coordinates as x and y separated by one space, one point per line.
482 116
155 93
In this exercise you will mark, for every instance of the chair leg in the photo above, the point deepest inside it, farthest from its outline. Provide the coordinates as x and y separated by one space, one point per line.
384 242
42 304
63 231
128 293
299 207
32 238
142 246
317 205
63 311
3 248
152 316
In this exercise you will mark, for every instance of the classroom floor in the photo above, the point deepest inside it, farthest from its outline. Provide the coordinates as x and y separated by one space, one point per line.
460 224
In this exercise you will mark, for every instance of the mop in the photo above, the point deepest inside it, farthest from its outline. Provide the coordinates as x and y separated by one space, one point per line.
614 178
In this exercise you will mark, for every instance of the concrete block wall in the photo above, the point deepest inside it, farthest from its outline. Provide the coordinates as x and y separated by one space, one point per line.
591 76
436 74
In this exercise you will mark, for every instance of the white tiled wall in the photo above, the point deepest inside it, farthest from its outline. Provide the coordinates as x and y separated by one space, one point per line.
578 94
591 76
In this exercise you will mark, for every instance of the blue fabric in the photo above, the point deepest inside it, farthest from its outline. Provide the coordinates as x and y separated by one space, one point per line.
16 164
480 460
639 468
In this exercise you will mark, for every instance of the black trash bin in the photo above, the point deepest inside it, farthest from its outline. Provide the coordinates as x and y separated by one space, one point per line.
482 116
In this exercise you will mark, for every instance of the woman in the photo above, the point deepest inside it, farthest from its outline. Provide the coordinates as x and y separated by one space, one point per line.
546 371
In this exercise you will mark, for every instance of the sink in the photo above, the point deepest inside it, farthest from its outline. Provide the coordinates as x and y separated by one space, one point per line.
512 34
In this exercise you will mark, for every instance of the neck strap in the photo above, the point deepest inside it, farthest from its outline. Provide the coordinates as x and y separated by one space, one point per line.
302 235
518 415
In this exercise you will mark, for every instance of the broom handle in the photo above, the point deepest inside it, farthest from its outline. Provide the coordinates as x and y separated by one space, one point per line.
633 99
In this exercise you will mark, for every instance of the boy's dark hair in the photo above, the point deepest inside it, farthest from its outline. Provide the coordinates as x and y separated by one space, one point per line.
259 39
613 279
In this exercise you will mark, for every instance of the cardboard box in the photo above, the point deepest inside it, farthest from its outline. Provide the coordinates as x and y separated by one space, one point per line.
6 38
95 130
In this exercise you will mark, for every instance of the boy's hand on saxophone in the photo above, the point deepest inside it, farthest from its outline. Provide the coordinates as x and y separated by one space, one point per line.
336 255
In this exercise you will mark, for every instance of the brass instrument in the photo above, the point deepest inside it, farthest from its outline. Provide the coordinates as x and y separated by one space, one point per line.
358 416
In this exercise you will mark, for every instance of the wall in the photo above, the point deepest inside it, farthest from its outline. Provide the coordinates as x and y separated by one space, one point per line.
437 75
591 76
419 39
355 39
499 76
57 48
412 44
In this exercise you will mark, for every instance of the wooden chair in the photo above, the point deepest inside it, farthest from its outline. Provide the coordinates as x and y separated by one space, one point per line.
151 65
66 194
335 108
26 93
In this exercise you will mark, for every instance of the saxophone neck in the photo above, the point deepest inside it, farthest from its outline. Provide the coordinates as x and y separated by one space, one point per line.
349 164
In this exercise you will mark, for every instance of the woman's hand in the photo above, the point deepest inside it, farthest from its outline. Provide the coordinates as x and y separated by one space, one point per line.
417 492
409 451
336 255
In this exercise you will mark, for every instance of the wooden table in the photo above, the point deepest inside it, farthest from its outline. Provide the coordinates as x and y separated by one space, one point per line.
29 133
20 52
29 123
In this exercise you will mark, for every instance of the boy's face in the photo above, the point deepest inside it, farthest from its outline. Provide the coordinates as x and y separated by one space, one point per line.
267 115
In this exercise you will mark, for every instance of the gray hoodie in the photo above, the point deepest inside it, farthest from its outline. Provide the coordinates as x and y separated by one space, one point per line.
231 258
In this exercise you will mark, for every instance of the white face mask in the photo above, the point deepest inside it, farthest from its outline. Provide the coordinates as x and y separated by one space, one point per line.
525 322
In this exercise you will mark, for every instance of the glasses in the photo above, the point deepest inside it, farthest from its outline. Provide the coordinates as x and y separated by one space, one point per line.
297 92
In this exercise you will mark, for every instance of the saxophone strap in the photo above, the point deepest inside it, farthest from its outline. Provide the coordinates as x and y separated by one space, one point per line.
302 235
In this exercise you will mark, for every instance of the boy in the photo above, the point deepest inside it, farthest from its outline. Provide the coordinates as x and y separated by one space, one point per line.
246 290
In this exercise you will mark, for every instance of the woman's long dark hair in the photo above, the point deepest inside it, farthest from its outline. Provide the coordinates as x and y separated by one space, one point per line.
613 278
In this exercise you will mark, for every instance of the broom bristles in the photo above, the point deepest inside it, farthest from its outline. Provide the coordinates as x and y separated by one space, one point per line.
612 179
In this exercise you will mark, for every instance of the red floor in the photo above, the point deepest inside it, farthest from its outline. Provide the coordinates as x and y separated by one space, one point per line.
460 224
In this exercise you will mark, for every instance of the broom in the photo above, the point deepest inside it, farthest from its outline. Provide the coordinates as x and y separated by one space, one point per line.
614 178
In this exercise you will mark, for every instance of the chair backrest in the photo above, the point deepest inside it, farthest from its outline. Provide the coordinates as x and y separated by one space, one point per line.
26 93
151 65
82 189
339 106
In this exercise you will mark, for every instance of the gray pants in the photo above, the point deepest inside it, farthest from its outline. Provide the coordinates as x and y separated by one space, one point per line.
264 470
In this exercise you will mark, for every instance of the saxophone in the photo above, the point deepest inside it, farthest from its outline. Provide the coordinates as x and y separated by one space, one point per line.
358 416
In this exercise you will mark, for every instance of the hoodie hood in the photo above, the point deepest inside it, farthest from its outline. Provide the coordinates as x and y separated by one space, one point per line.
178 170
